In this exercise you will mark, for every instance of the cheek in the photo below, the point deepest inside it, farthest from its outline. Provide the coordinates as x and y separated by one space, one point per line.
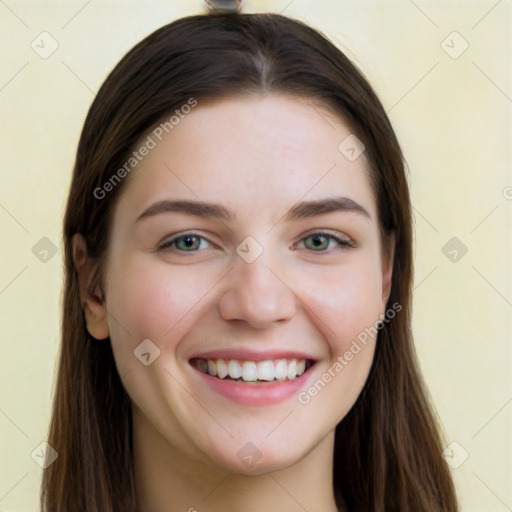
347 306
148 301
158 302
348 299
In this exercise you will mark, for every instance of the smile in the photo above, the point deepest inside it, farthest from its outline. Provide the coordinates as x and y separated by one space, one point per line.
254 372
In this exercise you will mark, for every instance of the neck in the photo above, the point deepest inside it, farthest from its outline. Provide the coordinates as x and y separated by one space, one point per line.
168 480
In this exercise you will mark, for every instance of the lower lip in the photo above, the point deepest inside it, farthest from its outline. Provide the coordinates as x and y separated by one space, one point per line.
256 394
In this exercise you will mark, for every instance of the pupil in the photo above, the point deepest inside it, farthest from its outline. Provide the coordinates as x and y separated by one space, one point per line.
188 242
318 242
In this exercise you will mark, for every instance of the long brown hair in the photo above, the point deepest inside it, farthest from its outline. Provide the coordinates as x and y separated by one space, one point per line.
387 454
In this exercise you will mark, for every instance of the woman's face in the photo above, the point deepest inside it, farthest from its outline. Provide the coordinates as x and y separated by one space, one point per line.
246 242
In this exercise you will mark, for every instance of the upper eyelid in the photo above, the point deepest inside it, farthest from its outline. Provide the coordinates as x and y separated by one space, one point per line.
172 238
341 237
347 242
326 232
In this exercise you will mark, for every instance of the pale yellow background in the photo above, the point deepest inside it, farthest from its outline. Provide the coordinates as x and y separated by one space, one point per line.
452 116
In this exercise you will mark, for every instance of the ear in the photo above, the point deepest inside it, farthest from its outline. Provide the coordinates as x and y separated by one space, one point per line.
388 257
91 296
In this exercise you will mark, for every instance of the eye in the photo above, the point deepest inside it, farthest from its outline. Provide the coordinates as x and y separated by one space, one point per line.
320 242
188 242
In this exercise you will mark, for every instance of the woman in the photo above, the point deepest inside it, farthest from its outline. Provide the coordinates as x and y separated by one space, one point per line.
236 329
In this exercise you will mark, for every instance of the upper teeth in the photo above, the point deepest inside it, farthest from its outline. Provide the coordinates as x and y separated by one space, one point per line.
250 371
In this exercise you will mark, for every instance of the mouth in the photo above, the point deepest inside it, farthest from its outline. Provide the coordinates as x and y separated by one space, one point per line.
253 372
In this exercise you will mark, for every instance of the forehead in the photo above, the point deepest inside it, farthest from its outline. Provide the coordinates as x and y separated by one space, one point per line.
251 152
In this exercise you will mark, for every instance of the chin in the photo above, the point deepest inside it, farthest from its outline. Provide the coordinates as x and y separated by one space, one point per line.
258 458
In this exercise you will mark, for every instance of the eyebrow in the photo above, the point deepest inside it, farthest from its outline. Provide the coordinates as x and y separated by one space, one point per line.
197 208
301 210
306 209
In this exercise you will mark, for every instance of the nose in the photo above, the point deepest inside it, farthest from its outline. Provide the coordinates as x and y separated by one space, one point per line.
257 294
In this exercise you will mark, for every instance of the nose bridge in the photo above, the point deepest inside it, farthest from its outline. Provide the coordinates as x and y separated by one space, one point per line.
254 293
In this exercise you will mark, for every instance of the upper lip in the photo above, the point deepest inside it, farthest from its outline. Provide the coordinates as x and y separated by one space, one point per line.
251 355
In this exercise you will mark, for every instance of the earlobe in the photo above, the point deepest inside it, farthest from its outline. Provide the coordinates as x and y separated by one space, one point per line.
91 299
387 269
386 282
97 325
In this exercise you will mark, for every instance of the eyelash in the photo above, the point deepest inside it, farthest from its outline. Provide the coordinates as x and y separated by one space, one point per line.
343 244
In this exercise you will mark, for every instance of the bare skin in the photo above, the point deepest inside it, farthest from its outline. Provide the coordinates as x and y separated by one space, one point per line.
319 281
